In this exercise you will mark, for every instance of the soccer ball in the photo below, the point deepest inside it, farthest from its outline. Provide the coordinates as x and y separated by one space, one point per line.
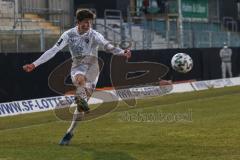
182 62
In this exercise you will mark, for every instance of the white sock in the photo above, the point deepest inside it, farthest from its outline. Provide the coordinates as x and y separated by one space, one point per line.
77 116
81 92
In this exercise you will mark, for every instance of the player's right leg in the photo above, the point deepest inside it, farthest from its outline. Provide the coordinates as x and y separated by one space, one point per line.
81 96
85 79
82 107
229 69
85 87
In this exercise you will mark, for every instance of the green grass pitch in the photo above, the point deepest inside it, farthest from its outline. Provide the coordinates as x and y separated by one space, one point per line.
202 125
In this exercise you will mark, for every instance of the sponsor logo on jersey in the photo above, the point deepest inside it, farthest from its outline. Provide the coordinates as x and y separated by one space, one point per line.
59 42
87 40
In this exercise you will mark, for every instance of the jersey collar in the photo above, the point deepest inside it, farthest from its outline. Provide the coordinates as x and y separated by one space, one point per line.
82 35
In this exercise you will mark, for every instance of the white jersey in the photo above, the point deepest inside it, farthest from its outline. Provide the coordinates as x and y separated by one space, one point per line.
79 45
226 54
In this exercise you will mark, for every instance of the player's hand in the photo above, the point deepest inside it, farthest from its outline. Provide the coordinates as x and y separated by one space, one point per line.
29 67
127 53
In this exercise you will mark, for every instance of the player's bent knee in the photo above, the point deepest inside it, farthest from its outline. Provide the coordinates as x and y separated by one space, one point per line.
80 80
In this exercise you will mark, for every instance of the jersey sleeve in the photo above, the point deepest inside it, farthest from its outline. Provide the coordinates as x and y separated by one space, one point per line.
221 53
107 45
100 40
230 51
61 43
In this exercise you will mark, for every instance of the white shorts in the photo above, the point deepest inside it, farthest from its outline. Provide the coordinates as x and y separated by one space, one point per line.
90 71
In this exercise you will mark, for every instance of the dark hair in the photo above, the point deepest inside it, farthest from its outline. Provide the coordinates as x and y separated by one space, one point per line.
82 14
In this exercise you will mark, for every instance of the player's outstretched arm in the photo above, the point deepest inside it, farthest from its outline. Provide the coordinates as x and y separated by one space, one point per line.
29 67
111 48
62 42
118 51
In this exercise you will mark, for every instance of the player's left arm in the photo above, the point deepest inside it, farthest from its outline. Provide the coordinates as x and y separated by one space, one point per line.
111 48
117 51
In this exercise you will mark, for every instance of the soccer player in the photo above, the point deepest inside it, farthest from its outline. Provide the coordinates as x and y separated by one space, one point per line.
83 43
226 55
